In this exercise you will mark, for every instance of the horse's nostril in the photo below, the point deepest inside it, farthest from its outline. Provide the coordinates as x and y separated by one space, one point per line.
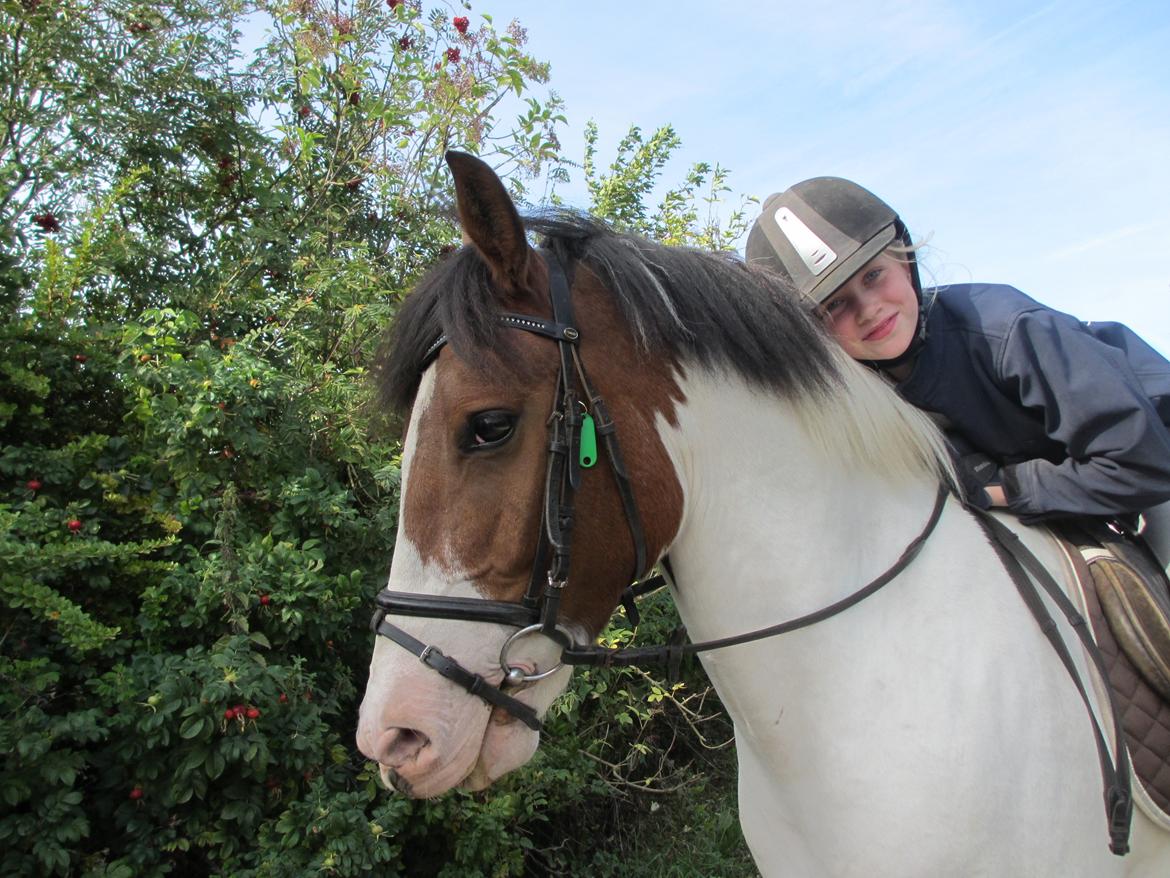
402 745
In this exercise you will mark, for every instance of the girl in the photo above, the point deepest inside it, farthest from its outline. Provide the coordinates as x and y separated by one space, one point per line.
1073 416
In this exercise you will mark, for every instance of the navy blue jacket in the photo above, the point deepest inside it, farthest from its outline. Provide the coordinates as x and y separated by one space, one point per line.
1077 413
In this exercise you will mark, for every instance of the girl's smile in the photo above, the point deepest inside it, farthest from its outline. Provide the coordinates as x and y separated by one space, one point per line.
883 329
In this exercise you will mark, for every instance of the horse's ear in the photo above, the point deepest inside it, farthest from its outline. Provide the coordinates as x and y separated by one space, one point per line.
489 217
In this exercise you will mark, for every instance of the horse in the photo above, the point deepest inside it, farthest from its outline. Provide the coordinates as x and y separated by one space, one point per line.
927 730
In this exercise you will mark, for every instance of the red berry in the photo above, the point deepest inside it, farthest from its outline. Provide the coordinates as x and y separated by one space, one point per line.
393 3
136 794
229 714
73 524
453 56
283 698
460 24
80 358
47 221
33 485
239 709
265 600
253 713
304 111
405 43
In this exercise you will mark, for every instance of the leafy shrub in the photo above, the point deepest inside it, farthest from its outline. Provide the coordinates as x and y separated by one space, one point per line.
197 256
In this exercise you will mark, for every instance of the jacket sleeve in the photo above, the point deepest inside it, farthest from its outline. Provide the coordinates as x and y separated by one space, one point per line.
1092 403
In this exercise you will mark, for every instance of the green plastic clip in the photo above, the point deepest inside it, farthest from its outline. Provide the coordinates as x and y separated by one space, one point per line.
588 441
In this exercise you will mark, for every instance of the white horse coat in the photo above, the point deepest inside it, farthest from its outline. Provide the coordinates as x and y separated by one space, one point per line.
929 730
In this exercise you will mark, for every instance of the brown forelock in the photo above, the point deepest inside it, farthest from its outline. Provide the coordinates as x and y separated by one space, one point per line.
479 513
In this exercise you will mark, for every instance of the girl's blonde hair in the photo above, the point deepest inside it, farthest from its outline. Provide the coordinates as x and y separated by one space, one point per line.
903 252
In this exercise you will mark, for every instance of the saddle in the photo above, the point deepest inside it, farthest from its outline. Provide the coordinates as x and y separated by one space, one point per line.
1125 596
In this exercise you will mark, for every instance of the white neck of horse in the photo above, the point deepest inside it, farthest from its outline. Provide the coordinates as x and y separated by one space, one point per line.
772 521
837 723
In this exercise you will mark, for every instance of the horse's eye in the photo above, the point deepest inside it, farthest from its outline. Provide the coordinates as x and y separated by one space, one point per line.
490 429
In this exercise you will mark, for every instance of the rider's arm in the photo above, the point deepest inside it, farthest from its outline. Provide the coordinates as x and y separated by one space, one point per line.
1092 403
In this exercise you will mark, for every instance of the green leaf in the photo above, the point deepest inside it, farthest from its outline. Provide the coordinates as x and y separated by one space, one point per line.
260 639
215 764
193 727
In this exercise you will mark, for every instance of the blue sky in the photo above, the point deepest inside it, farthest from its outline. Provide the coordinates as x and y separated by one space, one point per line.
1029 141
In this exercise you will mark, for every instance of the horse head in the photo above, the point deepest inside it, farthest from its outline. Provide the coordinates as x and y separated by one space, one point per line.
490 399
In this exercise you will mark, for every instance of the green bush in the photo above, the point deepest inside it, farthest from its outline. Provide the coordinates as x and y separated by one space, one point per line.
198 254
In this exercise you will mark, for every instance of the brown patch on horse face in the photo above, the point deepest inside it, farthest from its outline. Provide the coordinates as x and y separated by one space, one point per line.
478 513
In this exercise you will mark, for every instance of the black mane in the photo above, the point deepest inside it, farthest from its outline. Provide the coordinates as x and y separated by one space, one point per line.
700 308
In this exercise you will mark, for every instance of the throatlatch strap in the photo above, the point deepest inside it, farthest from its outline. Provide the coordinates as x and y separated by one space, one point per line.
607 430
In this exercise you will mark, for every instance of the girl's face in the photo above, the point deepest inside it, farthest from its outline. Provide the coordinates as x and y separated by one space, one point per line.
875 315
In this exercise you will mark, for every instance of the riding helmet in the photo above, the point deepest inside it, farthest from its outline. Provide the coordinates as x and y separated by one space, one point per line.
821 232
